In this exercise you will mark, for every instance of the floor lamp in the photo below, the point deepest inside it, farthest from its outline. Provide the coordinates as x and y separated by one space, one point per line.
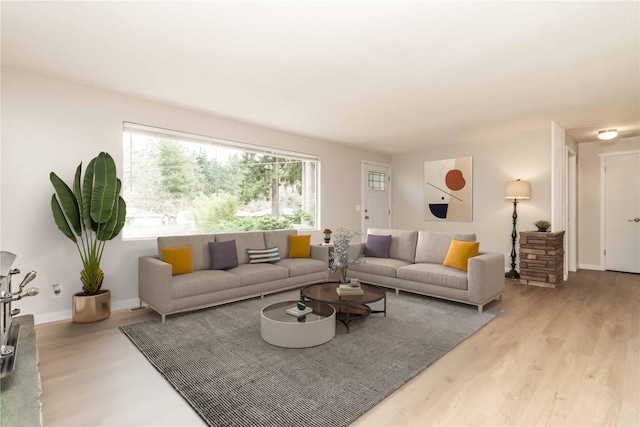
516 190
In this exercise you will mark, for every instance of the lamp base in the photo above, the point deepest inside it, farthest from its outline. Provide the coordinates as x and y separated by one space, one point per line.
512 275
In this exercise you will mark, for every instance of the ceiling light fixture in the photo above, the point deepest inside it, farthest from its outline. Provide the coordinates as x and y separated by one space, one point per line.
607 134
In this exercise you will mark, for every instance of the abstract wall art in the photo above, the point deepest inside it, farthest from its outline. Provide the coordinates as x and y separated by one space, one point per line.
448 190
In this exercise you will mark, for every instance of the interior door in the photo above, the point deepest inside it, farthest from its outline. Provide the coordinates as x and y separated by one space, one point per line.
376 182
622 212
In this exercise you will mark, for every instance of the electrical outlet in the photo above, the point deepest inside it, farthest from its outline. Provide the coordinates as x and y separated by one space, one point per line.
57 290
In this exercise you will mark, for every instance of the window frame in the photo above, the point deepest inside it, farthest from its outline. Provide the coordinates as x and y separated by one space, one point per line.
130 129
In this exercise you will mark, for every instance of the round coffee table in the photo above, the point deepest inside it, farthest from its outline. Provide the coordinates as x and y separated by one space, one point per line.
279 328
348 307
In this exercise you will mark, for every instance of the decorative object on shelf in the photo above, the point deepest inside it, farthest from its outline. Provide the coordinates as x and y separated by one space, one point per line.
516 190
301 303
448 189
542 225
300 309
327 235
95 212
339 258
10 331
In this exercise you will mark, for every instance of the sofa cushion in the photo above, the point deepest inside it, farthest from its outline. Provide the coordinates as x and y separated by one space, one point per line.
180 259
223 255
377 246
434 274
299 246
257 256
244 241
279 239
302 266
202 282
379 266
403 243
250 274
199 247
433 246
459 253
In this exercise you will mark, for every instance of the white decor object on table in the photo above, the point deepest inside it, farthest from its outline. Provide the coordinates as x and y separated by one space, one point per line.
294 311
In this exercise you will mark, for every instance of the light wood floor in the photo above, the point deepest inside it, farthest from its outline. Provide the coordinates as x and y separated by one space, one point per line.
567 356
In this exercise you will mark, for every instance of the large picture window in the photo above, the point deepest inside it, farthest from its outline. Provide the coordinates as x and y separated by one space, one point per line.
177 183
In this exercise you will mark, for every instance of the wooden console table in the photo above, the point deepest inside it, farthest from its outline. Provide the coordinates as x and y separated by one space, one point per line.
541 258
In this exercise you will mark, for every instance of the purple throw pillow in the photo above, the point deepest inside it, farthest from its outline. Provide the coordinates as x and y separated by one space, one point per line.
377 246
223 255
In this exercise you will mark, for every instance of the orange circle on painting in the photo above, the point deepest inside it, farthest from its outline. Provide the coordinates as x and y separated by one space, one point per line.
455 180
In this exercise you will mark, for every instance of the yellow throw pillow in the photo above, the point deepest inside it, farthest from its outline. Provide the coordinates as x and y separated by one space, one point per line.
459 254
299 246
180 259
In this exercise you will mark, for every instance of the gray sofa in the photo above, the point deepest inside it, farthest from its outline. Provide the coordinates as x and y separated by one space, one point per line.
415 265
168 294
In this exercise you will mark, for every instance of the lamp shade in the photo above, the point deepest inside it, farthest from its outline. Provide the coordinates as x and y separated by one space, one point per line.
518 190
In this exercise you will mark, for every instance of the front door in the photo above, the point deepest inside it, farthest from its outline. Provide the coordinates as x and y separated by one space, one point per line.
622 212
376 203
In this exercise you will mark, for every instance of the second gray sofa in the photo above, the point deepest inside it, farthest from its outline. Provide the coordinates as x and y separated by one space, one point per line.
415 264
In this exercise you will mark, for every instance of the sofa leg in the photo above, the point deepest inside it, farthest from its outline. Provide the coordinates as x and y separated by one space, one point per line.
397 291
480 308
164 317
499 297
139 307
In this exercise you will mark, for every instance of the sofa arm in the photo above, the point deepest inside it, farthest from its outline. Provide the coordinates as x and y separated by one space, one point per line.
320 252
485 277
154 282
356 250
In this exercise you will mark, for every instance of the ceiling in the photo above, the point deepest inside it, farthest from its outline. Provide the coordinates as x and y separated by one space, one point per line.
389 76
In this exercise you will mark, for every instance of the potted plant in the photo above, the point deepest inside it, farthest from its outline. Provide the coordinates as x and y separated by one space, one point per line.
327 235
339 257
542 225
90 215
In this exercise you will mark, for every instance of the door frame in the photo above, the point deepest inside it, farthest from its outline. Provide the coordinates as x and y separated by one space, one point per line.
363 191
603 157
570 214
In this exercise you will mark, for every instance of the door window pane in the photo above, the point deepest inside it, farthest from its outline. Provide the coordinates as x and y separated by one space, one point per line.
376 181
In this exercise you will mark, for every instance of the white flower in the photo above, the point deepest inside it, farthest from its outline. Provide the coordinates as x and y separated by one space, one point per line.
339 257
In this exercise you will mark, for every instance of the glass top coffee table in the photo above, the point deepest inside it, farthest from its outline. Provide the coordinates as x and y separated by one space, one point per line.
284 330
348 307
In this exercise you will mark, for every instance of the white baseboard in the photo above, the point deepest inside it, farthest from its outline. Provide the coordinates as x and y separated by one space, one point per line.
590 267
67 314
51 317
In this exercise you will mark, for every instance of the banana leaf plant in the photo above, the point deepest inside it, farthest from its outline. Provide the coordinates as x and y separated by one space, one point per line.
90 214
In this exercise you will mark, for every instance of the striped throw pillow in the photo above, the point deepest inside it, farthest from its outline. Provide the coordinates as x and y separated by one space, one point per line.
263 255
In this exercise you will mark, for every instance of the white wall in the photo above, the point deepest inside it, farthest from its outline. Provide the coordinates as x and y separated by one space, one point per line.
494 163
51 125
589 197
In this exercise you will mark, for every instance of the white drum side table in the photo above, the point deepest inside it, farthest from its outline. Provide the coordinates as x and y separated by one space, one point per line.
283 330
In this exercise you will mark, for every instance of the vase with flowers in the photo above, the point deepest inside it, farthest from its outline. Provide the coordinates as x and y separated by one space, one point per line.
340 257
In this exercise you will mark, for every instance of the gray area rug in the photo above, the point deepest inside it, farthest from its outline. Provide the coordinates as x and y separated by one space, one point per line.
217 360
